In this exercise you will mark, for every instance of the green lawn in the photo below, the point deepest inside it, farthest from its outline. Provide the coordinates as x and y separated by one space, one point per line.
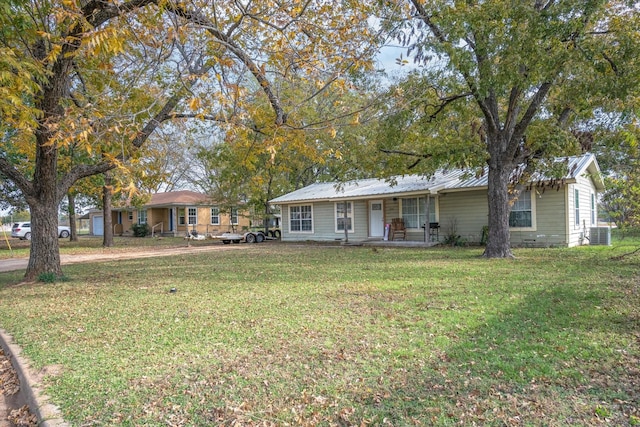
327 335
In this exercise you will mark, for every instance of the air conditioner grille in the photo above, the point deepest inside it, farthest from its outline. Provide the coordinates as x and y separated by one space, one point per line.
600 236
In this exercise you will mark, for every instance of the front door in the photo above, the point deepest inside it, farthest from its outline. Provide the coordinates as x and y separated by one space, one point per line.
98 225
376 219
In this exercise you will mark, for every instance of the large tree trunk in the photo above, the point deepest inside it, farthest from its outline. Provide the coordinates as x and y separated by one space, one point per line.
107 240
44 257
72 217
500 170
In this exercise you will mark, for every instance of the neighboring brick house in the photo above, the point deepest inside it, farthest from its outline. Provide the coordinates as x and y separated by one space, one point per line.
172 214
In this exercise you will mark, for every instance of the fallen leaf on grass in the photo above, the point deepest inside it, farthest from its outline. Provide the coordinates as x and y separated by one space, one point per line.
22 417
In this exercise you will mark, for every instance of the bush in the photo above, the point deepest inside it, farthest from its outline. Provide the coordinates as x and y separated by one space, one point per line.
140 230
51 278
485 235
621 233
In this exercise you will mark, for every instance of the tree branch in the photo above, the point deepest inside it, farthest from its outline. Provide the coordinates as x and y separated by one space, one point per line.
486 109
613 65
405 153
225 40
10 172
621 257
446 101
533 107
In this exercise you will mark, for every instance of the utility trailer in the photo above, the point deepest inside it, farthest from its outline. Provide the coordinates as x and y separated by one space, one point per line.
248 237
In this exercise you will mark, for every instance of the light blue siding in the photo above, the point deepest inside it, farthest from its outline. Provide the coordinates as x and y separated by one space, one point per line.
463 214
324 223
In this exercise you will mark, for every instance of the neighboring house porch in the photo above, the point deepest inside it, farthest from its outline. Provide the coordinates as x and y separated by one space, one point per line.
174 214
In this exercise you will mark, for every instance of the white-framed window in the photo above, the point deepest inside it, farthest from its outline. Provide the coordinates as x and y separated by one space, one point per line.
414 211
182 220
192 216
301 219
576 202
215 215
340 220
523 212
234 216
131 216
142 216
593 209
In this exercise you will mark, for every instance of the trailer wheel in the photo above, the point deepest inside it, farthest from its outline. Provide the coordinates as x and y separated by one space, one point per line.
236 241
226 242
250 238
259 238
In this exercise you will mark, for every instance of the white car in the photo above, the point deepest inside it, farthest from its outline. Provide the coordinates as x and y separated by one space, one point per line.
22 230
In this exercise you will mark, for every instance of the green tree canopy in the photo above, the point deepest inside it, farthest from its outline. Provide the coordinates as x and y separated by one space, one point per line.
103 76
504 83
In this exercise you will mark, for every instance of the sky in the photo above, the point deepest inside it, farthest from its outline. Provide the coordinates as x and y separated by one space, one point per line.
388 58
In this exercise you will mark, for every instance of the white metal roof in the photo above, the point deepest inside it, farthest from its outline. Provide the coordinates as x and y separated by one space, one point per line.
441 181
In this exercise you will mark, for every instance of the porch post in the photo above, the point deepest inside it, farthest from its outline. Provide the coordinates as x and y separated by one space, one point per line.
427 225
174 220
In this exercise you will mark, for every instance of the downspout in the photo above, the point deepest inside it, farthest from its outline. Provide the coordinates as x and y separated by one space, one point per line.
567 222
427 225
346 217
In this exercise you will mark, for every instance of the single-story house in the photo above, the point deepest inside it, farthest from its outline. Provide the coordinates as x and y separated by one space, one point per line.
173 214
449 204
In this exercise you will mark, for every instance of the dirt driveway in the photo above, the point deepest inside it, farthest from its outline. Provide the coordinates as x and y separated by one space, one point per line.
13 264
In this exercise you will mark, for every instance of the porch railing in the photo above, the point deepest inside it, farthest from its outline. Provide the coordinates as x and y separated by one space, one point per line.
153 229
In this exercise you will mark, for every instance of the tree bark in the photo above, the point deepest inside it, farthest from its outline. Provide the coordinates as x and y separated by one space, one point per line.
72 217
43 201
107 238
500 169
42 195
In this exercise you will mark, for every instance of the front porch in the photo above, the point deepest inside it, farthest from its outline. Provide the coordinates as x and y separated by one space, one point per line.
376 242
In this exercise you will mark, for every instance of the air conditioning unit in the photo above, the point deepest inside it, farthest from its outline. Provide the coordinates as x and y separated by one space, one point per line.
600 236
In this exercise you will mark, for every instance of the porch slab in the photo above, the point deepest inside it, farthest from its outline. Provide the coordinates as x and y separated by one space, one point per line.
399 243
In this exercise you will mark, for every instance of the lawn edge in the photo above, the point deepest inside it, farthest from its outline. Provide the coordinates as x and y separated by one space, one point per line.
48 415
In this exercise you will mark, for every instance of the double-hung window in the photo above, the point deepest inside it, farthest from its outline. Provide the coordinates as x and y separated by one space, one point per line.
411 212
414 211
181 216
522 212
593 209
142 216
343 221
192 216
301 219
215 215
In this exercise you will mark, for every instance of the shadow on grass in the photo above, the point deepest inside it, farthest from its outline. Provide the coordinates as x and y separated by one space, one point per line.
559 357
